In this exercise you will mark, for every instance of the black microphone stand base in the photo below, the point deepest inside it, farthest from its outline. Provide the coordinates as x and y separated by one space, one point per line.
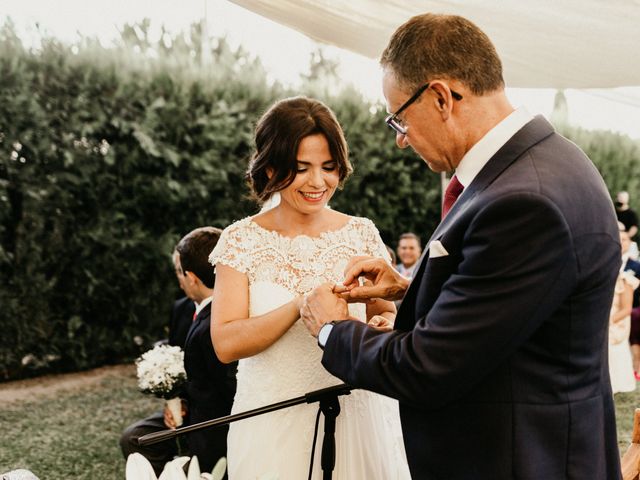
330 408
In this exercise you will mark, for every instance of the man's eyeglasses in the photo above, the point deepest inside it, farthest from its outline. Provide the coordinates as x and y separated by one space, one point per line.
396 124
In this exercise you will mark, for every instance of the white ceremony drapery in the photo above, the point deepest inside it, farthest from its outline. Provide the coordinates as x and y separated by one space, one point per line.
543 43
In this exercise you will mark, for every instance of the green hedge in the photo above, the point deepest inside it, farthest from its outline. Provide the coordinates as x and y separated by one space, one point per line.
109 156
616 156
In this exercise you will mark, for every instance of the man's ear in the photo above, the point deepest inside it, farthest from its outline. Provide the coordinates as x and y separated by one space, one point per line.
444 100
192 278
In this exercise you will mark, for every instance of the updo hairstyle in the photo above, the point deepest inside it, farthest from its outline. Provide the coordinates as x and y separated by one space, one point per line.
277 138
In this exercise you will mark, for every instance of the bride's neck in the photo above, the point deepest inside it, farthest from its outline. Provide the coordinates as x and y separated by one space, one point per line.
291 222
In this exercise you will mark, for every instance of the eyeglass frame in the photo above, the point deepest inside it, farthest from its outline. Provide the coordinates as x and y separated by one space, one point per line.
392 119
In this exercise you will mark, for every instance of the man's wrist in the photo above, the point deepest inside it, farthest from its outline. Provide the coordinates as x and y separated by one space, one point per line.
324 332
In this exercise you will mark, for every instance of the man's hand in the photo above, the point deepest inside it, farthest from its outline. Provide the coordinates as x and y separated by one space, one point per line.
382 280
322 306
169 421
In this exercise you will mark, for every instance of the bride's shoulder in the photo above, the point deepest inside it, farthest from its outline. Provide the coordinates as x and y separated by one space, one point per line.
360 222
237 226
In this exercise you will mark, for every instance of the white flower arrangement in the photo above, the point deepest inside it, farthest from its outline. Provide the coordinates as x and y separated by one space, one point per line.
161 371
139 468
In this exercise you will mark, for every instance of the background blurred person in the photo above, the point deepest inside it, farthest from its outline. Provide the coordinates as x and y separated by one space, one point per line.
625 214
409 251
620 360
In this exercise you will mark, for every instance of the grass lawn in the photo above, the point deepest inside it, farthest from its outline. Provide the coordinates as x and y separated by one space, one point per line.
626 403
74 434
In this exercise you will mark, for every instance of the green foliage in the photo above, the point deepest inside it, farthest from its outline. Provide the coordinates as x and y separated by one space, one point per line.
616 156
107 161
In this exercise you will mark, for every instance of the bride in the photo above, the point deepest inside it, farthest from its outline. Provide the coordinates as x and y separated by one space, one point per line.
264 266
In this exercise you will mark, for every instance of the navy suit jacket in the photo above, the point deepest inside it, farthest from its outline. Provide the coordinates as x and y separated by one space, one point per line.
210 388
499 357
181 320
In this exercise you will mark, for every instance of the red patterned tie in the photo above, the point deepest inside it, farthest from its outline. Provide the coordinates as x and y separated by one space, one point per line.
451 194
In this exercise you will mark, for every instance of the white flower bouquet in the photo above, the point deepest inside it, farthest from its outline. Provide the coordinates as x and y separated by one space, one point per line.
161 372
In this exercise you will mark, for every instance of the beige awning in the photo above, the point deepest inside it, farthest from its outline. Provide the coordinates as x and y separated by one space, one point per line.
543 43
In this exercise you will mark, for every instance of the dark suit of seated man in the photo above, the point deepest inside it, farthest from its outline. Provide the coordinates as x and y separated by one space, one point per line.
182 316
211 384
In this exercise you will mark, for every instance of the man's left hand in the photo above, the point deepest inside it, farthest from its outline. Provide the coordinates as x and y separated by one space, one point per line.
322 306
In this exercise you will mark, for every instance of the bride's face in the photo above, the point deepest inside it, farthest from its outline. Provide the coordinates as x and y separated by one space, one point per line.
317 177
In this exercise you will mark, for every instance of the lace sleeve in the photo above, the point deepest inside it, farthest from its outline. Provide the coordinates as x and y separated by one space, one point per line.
232 248
374 246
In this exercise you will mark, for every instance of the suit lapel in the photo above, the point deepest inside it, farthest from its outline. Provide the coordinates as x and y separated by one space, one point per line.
530 134
202 315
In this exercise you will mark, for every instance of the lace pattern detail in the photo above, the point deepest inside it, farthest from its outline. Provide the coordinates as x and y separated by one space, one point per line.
300 263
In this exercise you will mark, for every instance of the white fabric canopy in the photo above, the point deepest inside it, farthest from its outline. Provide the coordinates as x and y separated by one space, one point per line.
542 43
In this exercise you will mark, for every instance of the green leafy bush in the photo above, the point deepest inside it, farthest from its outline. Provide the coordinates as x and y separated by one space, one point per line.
616 156
107 160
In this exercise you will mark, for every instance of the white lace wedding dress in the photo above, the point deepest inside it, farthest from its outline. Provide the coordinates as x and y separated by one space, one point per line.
278 444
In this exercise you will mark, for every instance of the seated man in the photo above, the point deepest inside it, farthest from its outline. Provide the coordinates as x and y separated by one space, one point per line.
211 384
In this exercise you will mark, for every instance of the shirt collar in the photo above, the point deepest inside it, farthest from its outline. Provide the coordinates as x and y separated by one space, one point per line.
478 156
201 305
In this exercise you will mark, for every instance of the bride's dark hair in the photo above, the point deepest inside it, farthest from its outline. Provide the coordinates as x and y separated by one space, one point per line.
278 136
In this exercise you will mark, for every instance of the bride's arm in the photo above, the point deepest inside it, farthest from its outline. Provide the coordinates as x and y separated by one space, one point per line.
234 334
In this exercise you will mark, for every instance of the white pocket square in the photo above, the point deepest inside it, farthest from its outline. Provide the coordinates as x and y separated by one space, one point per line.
436 249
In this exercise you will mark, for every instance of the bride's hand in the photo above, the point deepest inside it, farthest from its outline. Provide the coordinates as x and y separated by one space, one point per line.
380 323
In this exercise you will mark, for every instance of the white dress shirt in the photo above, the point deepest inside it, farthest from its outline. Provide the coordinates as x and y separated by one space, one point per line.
478 156
200 306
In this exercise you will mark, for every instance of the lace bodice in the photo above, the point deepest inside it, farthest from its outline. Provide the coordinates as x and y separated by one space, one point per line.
300 263
278 269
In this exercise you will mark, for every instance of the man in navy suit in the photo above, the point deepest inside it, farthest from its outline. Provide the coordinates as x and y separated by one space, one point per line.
211 384
499 353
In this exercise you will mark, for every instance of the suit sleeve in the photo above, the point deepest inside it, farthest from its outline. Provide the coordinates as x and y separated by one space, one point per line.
517 267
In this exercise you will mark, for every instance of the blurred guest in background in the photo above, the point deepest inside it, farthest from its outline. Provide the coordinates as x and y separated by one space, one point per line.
632 267
409 250
625 214
620 362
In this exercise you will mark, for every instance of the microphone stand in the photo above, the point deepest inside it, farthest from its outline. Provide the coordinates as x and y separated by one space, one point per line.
329 406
